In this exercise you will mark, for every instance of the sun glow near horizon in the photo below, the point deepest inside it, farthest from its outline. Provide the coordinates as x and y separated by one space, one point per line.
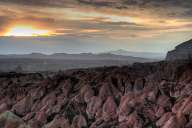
26 31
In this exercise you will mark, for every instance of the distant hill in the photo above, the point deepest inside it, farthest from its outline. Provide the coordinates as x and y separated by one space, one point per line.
81 56
182 51
63 61
149 55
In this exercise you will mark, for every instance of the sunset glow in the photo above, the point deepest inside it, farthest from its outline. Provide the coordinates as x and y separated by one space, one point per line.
94 26
20 30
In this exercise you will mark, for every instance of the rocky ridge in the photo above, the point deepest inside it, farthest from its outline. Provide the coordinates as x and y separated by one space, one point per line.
181 52
149 95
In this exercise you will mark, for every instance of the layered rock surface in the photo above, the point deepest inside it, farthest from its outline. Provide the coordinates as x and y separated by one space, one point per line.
152 95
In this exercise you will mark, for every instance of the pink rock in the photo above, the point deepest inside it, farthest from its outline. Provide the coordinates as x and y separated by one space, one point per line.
96 123
79 122
164 101
48 101
23 106
134 121
87 93
104 91
175 121
98 114
109 109
181 119
164 118
125 107
41 117
94 106
160 111
178 106
149 112
183 106
3 107
151 93
123 125
171 123
188 108
37 93
29 116
10 120
58 122
66 86
34 123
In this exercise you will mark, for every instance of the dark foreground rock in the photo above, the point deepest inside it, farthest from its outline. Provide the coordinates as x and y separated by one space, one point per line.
152 95
181 52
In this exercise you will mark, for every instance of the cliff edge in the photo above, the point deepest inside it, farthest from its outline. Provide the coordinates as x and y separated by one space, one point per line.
181 52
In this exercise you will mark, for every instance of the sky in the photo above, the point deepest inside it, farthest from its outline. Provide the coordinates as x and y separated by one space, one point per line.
74 26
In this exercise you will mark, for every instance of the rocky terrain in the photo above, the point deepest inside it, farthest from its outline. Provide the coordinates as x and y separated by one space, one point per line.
148 95
144 95
181 52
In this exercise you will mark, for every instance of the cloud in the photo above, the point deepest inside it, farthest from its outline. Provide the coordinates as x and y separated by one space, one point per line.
4 21
100 18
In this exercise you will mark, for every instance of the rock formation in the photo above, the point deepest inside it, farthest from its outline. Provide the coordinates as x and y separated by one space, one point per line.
149 95
181 52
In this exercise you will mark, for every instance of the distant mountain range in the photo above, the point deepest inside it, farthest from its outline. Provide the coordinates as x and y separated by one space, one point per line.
149 55
81 56
62 61
117 55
